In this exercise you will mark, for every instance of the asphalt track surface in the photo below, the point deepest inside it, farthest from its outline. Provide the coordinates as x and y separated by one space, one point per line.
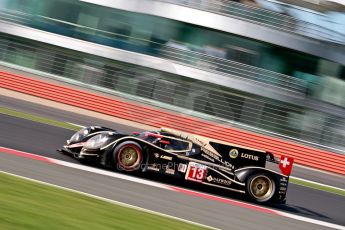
43 139
60 115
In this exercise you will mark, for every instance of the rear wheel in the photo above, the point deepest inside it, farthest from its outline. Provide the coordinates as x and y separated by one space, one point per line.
128 156
261 187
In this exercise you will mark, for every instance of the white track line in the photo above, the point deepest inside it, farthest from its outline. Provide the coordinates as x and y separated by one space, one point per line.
113 201
163 186
316 183
81 126
111 174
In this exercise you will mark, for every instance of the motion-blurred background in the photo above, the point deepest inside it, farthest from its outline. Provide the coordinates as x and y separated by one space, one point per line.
276 67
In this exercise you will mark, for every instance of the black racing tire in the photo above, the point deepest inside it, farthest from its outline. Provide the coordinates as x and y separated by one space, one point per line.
128 156
261 187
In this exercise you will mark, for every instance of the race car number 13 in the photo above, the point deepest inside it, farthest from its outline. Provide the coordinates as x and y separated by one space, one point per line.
196 172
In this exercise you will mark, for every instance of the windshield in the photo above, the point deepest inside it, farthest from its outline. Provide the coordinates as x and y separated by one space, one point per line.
150 136
165 141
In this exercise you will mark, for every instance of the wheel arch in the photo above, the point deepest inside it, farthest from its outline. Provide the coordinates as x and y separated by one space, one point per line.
246 175
243 174
110 150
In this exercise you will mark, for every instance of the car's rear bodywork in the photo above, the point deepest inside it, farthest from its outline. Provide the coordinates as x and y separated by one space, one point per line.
186 156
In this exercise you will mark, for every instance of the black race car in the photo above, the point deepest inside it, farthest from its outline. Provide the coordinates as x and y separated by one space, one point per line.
186 156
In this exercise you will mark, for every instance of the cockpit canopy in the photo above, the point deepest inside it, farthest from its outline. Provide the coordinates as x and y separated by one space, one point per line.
191 144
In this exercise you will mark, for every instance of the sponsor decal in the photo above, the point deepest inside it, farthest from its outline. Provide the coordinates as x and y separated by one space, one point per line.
285 165
249 156
233 153
182 168
207 157
282 189
283 184
227 164
218 180
282 192
169 158
211 154
196 172
283 179
221 181
153 167
214 157
170 171
156 155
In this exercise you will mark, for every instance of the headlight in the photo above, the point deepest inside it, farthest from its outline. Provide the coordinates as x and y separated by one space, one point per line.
96 141
78 136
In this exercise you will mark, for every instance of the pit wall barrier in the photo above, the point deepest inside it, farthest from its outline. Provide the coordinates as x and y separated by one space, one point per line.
304 155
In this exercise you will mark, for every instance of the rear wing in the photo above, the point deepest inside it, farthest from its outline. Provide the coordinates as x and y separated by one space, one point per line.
285 163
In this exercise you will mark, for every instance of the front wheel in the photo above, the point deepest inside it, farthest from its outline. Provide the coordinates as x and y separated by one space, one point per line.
261 187
128 156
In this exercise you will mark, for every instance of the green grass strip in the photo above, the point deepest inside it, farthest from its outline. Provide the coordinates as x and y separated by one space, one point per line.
317 186
30 205
39 119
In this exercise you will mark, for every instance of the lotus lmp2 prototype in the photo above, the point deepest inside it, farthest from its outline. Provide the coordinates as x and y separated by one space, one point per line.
186 156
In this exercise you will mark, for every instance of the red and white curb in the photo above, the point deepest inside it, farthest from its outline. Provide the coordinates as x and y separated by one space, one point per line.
163 186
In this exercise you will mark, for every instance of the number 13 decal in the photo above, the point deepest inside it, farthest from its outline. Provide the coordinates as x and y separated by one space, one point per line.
196 172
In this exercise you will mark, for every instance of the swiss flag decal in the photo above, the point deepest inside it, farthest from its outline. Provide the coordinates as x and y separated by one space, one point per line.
285 165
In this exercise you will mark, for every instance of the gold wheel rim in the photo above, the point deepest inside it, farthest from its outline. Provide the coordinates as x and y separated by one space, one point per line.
261 187
128 156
